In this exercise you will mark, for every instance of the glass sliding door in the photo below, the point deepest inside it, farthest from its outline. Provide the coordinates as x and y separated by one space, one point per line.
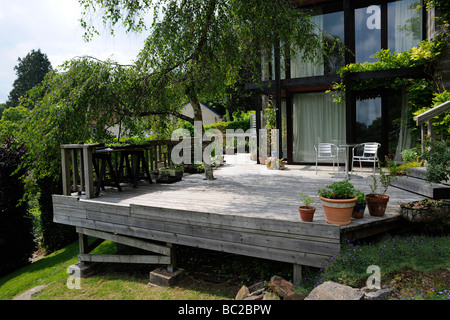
315 119
368 120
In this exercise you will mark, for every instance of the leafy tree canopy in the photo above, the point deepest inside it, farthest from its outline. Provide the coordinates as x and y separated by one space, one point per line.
30 71
11 121
196 49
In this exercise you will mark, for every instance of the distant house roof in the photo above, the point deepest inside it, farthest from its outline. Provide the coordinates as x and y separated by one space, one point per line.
206 106
209 115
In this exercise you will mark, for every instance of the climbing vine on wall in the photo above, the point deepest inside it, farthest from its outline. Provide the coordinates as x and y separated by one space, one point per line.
420 90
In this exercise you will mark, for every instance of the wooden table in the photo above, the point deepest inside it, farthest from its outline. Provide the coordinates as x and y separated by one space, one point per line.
100 159
125 154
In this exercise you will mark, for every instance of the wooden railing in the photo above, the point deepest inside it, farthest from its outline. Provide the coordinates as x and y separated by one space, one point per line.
426 117
78 162
81 163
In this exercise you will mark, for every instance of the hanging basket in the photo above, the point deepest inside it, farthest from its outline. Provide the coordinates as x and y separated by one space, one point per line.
425 215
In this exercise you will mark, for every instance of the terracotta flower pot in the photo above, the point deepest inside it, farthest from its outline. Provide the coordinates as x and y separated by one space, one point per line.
306 213
358 210
338 211
377 203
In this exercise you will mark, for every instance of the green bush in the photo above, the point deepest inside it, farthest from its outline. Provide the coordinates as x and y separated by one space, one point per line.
16 236
438 162
54 235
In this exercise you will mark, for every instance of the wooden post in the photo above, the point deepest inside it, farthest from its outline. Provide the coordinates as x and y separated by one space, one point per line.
422 136
88 174
74 153
297 274
81 170
83 243
65 171
173 263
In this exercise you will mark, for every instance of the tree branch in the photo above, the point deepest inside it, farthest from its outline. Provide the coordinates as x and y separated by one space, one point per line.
170 112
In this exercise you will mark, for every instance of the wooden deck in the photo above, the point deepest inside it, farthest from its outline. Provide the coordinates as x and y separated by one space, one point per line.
247 210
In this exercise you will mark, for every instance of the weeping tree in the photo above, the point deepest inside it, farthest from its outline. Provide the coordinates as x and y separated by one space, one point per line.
196 48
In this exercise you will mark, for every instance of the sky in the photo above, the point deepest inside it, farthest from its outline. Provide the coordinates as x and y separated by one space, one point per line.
53 27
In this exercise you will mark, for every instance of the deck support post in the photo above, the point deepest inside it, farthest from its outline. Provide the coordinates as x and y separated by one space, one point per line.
173 262
297 274
83 243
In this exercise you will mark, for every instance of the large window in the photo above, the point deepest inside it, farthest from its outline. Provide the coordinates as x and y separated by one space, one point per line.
404 24
367 32
403 29
333 26
315 119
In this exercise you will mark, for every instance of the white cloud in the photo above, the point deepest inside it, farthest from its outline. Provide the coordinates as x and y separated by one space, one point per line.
53 26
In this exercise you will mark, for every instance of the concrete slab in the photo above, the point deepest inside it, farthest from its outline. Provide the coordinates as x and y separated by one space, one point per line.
162 277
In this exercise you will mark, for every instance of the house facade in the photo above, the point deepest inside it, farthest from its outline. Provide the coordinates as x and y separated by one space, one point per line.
308 115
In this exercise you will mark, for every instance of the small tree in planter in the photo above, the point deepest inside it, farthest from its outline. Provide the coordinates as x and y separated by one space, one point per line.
307 210
377 201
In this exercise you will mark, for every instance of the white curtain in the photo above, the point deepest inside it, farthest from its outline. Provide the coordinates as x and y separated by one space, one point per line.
316 118
404 137
407 19
300 68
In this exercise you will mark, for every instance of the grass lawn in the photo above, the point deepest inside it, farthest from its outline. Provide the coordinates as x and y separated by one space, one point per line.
418 267
111 282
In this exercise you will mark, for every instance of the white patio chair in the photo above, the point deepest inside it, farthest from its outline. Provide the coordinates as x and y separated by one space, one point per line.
326 151
366 152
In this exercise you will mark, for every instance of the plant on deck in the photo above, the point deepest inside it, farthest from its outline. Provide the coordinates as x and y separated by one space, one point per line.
306 200
338 190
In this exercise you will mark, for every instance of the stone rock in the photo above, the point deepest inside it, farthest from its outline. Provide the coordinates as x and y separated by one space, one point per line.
242 293
255 297
281 287
376 294
295 296
334 291
271 296
257 286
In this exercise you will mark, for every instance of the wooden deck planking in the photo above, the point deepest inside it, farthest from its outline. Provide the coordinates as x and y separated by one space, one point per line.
247 210
264 238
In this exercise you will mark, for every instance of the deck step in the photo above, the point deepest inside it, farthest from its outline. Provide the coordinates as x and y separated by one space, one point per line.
420 172
422 187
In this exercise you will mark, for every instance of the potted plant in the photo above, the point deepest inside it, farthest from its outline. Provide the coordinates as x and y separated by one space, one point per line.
338 200
377 202
176 171
282 164
271 162
307 210
170 175
360 205
426 210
